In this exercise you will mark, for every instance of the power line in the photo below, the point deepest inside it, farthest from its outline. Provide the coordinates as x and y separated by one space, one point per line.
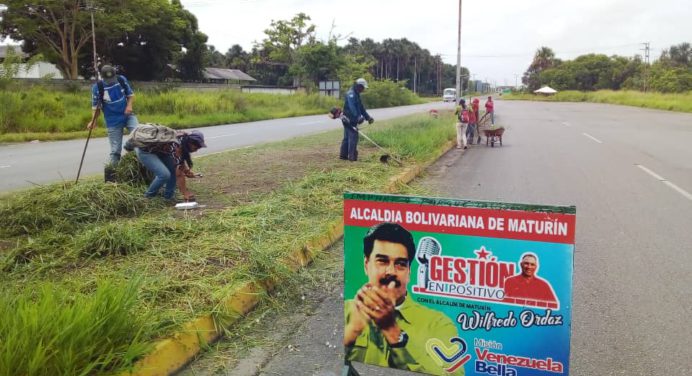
525 54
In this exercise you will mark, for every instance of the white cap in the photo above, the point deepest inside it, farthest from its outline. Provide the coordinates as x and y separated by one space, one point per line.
361 81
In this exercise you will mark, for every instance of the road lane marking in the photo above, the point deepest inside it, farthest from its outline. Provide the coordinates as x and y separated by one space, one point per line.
660 178
593 138
8 166
223 135
312 122
566 124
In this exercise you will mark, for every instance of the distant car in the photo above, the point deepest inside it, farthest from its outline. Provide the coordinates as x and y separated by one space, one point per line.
449 95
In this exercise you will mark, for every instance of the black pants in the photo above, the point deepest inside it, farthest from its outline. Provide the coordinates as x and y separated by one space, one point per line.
349 145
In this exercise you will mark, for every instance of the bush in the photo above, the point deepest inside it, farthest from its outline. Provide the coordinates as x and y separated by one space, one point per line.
388 94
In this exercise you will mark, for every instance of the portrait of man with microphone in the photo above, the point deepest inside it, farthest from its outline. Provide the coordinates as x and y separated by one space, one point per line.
384 325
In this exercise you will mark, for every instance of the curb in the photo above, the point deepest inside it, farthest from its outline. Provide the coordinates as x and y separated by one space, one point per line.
171 354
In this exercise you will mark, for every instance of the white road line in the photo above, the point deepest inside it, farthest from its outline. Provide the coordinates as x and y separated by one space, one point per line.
5 166
223 135
655 175
660 178
593 138
566 124
312 122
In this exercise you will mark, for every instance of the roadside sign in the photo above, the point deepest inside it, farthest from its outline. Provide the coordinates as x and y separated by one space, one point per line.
454 287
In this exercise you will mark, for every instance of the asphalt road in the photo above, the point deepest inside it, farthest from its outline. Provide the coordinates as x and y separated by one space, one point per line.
629 173
22 165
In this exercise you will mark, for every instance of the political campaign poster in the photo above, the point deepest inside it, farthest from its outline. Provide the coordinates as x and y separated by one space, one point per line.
457 287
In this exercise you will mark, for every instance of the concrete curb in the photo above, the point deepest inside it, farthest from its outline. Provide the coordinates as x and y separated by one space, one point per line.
173 353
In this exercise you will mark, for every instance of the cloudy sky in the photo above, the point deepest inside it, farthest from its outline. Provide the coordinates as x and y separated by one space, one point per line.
499 37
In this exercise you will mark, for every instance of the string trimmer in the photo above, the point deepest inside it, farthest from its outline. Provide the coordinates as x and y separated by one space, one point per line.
336 113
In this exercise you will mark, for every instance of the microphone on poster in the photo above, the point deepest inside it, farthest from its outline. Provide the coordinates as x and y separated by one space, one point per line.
427 247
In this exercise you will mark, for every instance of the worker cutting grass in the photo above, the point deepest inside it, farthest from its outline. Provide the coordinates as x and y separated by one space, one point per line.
265 203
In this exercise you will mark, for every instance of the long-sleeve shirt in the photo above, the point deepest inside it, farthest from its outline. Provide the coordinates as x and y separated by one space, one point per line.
420 324
353 107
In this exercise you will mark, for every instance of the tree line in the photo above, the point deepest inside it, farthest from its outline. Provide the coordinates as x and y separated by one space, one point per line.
154 40
671 72
291 54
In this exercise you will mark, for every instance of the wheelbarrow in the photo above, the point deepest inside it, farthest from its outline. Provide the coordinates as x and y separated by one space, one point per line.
493 135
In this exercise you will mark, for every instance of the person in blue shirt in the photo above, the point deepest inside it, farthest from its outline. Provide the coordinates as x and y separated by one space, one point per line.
114 97
353 115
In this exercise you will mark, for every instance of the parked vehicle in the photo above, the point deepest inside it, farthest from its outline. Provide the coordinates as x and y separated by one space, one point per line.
449 95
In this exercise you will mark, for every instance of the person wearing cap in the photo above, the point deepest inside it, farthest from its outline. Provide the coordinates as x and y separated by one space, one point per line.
171 164
353 115
113 96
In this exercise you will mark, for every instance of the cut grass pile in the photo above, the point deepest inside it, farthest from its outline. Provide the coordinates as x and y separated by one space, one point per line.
671 102
66 207
186 262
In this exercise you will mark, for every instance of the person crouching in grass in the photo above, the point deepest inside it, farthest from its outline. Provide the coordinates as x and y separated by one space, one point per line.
171 164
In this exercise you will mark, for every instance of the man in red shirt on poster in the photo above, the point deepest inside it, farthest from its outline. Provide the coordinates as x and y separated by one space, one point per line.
527 288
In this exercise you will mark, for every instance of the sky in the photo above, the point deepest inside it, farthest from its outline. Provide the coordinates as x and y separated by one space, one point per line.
498 37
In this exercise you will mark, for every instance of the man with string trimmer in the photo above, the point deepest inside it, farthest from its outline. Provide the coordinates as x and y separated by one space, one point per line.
353 114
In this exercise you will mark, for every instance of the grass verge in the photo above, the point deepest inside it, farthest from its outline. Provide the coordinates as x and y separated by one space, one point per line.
263 204
670 102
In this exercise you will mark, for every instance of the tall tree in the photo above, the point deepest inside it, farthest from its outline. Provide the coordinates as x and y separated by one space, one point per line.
128 32
284 38
542 60
59 29
215 58
237 58
677 56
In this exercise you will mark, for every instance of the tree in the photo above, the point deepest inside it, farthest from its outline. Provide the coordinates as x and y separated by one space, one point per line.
164 33
559 79
236 58
542 60
215 58
284 38
58 29
677 56
316 61
128 33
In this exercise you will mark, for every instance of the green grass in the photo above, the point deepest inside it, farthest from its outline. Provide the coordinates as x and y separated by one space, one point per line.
52 331
28 114
681 102
39 114
67 238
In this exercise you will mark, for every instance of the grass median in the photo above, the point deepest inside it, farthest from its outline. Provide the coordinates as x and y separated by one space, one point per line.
84 245
681 102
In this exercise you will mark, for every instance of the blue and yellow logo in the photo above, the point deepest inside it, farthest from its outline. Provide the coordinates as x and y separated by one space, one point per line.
448 357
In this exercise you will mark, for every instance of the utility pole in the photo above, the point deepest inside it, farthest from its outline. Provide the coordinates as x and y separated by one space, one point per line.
646 50
458 87
516 81
91 8
415 73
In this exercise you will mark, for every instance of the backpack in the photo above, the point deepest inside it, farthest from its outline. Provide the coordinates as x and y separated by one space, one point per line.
464 116
147 135
102 90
